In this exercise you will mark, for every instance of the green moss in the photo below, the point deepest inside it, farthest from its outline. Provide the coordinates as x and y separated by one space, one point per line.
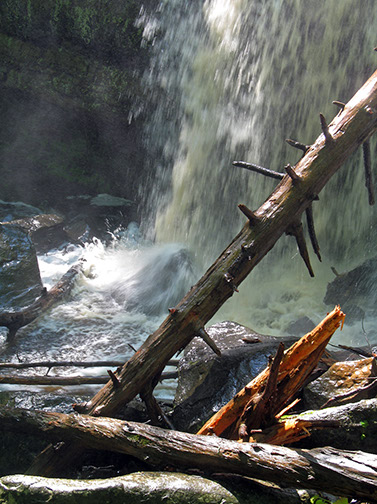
105 27
139 440
78 57
84 23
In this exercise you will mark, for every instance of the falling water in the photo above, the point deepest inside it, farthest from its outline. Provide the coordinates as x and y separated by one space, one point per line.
229 80
232 80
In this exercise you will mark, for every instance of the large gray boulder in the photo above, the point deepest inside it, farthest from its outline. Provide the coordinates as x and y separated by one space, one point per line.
149 488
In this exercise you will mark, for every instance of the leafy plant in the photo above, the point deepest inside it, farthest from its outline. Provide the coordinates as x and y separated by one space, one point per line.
317 499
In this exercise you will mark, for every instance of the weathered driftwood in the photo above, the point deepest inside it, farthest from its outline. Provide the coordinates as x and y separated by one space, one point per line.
345 473
67 380
284 207
14 320
297 364
84 364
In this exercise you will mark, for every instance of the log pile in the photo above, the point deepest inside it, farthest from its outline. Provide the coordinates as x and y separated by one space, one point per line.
270 392
256 410
351 474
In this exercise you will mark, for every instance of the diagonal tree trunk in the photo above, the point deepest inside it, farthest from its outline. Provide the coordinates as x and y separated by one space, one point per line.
280 213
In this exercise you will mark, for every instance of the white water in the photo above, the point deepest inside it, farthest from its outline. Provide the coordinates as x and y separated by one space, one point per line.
121 298
236 78
232 79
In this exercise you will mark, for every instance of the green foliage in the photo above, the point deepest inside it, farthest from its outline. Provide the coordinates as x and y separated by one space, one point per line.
364 426
317 499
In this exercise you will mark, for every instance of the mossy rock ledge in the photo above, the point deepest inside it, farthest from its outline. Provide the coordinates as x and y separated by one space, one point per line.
72 99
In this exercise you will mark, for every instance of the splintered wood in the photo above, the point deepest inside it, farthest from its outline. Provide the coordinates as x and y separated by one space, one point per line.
296 365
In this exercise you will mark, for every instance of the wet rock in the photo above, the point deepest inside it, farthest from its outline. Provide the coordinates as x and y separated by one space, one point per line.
20 281
355 290
99 216
149 488
107 200
36 222
340 379
207 382
10 211
45 230
145 487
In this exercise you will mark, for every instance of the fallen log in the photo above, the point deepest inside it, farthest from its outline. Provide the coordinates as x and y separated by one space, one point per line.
297 363
84 364
341 472
280 212
66 380
357 426
15 320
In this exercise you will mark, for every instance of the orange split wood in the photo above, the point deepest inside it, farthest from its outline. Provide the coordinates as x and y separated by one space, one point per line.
294 365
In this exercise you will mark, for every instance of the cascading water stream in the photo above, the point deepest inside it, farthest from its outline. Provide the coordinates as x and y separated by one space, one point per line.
229 80
121 297
234 79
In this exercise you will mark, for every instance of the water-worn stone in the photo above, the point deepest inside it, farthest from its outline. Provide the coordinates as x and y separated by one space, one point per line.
143 487
207 382
301 326
10 211
45 230
340 379
149 488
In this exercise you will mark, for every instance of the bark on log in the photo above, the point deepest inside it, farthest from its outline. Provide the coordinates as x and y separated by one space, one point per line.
298 362
345 473
84 364
357 426
66 380
349 129
14 320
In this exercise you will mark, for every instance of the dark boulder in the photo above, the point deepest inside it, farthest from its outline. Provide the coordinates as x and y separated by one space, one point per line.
20 280
355 291
207 382
301 326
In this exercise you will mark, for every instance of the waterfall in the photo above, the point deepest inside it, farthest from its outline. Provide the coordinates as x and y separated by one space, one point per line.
231 80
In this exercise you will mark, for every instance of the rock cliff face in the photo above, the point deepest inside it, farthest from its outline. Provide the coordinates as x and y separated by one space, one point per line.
71 98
